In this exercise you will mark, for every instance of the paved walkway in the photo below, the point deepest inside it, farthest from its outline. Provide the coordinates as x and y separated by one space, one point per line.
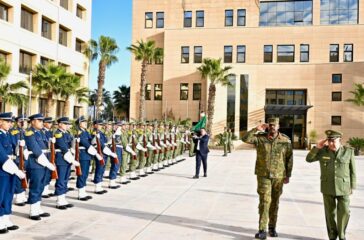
170 205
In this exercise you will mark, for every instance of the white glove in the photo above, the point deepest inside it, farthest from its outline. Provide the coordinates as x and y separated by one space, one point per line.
139 147
98 135
92 150
50 166
130 150
21 143
26 154
68 157
53 140
20 174
78 140
150 146
183 141
98 156
10 167
73 151
108 152
43 160
75 163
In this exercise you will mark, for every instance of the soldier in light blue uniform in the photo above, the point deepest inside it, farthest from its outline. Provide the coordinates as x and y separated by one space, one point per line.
48 132
37 164
8 170
64 160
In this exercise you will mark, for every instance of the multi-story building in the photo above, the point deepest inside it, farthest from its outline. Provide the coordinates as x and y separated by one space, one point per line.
33 32
296 60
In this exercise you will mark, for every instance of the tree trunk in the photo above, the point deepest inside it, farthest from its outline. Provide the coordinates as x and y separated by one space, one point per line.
100 86
142 90
49 108
66 109
211 107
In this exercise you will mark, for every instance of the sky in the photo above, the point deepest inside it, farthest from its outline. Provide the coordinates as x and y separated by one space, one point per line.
113 18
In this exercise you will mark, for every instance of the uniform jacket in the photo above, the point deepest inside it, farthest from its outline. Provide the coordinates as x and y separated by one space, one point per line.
63 145
36 142
85 142
7 148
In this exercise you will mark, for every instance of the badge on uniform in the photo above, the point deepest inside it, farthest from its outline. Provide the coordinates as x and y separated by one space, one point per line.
58 135
29 133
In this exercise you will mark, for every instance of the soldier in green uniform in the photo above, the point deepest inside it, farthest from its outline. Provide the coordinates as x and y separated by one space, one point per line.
273 168
338 179
229 140
133 141
225 137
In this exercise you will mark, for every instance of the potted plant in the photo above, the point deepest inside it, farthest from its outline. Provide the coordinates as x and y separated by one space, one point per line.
357 144
313 138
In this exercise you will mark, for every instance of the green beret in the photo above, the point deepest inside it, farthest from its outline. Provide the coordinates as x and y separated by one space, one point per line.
273 121
333 134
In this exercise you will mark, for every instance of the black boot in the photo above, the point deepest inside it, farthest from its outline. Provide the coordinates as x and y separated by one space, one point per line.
272 232
262 234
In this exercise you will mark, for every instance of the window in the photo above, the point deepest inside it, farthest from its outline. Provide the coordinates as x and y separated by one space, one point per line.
268 53
334 52
64 4
4 12
200 18
240 57
285 53
196 91
348 52
185 54
80 11
229 18
158 91
228 54
148 91
187 20
27 19
336 96
336 120
148 20
183 93
46 28
42 105
286 97
4 56
197 57
160 19
60 107
63 36
241 17
339 12
44 60
79 45
76 112
285 13
305 53
25 62
336 78
65 66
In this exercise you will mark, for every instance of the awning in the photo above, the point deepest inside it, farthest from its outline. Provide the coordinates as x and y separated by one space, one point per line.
286 109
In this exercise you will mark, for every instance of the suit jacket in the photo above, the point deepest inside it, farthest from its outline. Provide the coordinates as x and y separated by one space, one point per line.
204 141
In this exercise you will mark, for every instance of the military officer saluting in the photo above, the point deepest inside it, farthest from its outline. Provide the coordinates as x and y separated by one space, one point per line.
338 179
273 168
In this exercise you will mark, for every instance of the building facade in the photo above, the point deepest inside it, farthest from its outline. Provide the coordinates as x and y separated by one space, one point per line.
296 60
41 31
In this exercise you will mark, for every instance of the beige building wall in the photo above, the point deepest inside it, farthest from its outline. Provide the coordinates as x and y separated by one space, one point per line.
313 76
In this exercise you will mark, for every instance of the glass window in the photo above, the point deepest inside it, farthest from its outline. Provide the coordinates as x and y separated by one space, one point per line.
241 17
148 20
196 91
305 53
25 62
334 52
79 45
229 18
339 12
240 57
185 54
336 96
76 112
336 78
63 36
336 120
228 54
286 97
46 28
64 4
158 88
183 93
4 56
42 105
280 13
200 18
44 60
160 19
187 20
348 52
79 11
197 57
27 19
268 53
148 91
285 53
4 12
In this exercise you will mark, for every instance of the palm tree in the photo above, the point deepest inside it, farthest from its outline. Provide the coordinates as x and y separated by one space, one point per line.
106 98
51 80
9 91
146 52
121 99
72 87
105 49
358 95
213 71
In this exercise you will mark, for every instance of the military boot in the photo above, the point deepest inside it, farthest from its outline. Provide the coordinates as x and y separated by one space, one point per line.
272 232
262 234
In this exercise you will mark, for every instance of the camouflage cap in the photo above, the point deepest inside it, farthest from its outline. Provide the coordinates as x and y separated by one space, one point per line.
333 134
273 121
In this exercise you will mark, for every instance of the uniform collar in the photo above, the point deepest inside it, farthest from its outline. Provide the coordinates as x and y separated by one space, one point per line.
3 131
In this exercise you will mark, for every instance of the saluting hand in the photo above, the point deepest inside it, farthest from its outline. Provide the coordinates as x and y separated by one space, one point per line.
322 143
262 127
286 180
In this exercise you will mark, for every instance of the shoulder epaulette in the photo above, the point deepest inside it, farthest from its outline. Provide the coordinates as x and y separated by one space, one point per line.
29 133
58 135
14 132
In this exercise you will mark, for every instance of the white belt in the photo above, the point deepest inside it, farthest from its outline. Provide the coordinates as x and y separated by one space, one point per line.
58 150
119 146
43 151
83 148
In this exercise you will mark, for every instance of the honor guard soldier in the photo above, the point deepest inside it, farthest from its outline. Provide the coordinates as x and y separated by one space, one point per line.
37 165
338 179
9 171
64 160
117 147
17 134
48 132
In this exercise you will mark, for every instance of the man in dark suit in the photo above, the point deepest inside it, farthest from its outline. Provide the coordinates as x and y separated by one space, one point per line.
201 150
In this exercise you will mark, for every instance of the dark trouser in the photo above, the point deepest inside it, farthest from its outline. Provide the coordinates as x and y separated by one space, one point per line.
201 157
99 171
7 187
114 168
85 167
62 181
339 205
36 184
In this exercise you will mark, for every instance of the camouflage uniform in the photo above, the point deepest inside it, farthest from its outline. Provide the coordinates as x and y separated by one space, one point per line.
274 163
126 155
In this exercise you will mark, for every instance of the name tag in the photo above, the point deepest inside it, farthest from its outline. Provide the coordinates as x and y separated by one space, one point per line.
326 158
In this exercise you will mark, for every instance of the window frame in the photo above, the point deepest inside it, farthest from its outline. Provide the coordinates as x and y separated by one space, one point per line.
339 99
77 42
286 52
196 55
271 53
338 117
338 52
146 20
345 51
22 68
157 91
195 91
228 17
305 52
225 52
203 18
158 19
148 91
65 6
239 17
23 24
66 31
183 54
185 25
50 23
181 91
239 52
6 10
333 77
